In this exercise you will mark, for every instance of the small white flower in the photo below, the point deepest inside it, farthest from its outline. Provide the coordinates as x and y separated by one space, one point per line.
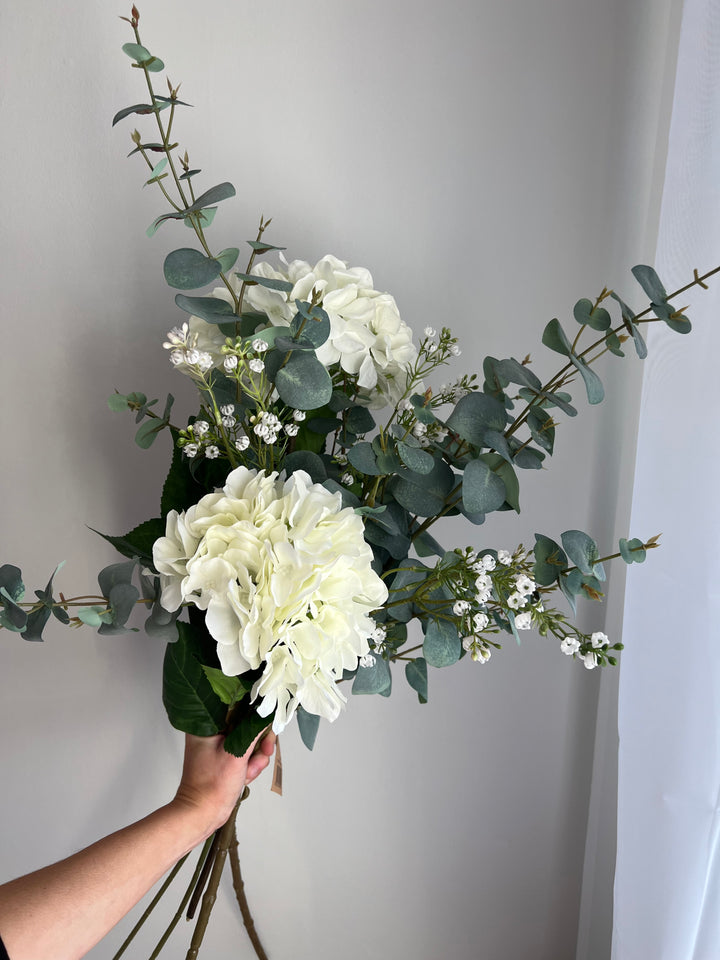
228 422
367 661
590 660
256 365
379 633
212 452
259 346
468 643
270 437
291 429
204 361
523 621
483 582
480 654
598 639
570 645
524 585
347 478
261 428
200 428
177 337
480 621
488 562
430 332
405 406
191 450
227 409
504 557
242 443
177 357
419 429
516 601
460 607
298 415
230 363
455 350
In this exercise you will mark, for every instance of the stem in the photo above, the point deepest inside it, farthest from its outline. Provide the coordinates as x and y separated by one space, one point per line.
239 887
210 896
153 903
179 912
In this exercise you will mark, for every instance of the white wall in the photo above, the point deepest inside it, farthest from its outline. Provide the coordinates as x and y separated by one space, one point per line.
490 164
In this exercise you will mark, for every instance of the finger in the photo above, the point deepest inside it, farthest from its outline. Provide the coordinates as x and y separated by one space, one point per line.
256 764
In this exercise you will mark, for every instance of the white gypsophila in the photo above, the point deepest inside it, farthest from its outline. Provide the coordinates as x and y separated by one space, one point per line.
291 429
196 344
191 450
598 639
257 365
227 409
212 452
524 585
516 601
589 660
242 443
504 557
367 339
569 645
199 428
480 621
367 661
259 346
523 621
460 607
284 574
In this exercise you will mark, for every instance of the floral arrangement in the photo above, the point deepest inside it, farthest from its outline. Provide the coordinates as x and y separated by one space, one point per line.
292 557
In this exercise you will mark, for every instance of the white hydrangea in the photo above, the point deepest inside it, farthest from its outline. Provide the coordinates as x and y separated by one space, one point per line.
367 338
285 577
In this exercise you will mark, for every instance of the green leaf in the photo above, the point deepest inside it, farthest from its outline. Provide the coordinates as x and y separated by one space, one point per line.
191 704
583 552
541 428
187 269
309 462
259 246
205 217
139 542
141 108
404 586
550 560
229 689
632 551
628 319
426 496
303 382
374 679
442 645
12 616
91 616
227 258
593 383
511 371
35 625
189 174
585 312
613 344
362 457
210 309
117 402
137 52
147 433
11 582
508 476
415 458
251 278
474 414
554 337
427 546
308 724
359 420
482 490
122 599
416 675
115 573
650 282
313 321
245 729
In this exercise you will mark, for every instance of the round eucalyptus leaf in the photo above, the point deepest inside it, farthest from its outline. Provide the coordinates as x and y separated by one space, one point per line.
593 383
137 52
583 552
554 338
415 458
186 269
550 560
632 551
650 282
303 382
227 258
362 457
359 420
373 679
315 326
308 461
442 645
586 313
474 414
416 676
482 490
210 309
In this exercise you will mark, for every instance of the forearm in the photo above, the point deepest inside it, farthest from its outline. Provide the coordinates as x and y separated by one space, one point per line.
61 911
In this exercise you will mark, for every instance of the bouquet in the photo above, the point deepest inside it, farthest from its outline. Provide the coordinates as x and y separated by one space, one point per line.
292 560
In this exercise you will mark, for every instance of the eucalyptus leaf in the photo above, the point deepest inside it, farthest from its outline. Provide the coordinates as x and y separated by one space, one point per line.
427 496
186 269
586 313
210 309
374 679
474 414
442 645
308 461
593 383
416 675
115 573
308 724
482 490
415 458
147 433
427 546
303 383
36 622
284 286
359 420
650 282
204 217
11 582
260 247
550 560
632 551
554 338
141 108
628 319
362 457
227 258
583 552
542 429
513 371
312 321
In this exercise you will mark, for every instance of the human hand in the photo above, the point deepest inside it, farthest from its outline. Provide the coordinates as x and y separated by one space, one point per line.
212 779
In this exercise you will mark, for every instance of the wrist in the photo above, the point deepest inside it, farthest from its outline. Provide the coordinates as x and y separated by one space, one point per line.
197 818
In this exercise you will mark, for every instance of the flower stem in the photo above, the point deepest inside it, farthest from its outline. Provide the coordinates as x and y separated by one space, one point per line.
153 903
239 887
179 912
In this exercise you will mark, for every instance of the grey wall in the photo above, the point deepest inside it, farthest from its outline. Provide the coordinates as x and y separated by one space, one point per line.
490 163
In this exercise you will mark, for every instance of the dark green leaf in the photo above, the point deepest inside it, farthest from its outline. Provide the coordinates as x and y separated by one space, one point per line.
259 246
115 573
189 174
308 461
303 382
240 738
204 217
227 258
141 108
482 490
308 724
427 496
474 414
250 278
229 689
416 675
359 420
191 704
122 599
415 458
542 429
147 433
650 282
404 585
442 646
508 476
312 321
554 337
628 319
550 560
512 371
35 625
374 679
427 546
585 312
12 616
583 552
187 269
613 344
593 383
11 581
361 457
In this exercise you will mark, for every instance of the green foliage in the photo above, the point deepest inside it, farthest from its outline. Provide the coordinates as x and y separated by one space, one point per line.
139 541
284 286
482 490
308 724
229 689
374 679
12 591
416 676
441 646
210 309
628 319
141 108
187 269
424 494
222 191
550 560
474 414
632 551
585 312
245 726
190 701
303 382
583 552
554 338
593 383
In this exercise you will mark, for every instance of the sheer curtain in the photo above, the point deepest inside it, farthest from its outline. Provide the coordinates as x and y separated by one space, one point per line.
667 881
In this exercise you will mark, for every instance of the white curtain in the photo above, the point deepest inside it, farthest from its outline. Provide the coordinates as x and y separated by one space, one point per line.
667 882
